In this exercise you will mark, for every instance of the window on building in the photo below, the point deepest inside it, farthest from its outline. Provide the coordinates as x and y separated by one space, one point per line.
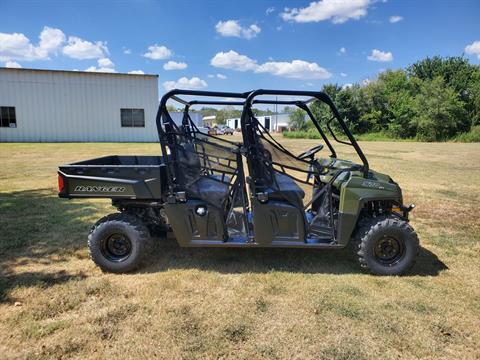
132 117
8 117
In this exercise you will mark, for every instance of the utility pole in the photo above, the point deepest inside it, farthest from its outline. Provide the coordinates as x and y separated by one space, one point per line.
276 114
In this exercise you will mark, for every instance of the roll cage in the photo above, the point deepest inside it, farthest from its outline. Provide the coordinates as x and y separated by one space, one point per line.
246 100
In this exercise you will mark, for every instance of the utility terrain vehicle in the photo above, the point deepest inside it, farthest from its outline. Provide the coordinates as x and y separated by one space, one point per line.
213 192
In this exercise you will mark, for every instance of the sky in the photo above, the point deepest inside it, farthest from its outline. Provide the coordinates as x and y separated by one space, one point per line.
237 46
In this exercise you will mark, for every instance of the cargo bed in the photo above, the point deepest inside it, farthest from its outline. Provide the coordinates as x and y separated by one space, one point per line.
115 176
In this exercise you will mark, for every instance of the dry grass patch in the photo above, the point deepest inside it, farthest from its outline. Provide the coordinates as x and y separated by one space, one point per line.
238 303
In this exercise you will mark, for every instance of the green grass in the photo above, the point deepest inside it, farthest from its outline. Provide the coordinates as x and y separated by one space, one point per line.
313 134
468 137
238 303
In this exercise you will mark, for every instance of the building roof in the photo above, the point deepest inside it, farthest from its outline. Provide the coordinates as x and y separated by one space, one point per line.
76 72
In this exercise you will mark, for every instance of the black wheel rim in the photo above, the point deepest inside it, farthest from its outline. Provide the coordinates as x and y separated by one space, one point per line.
116 247
389 250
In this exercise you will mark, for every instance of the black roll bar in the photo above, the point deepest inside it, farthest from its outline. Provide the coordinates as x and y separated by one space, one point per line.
174 95
321 96
213 102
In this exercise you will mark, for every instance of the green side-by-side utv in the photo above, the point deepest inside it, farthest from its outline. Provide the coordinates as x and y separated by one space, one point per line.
252 193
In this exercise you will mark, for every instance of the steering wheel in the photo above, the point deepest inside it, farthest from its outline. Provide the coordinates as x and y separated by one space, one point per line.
311 152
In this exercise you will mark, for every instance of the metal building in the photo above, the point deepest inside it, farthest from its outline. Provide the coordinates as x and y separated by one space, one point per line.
53 105
272 123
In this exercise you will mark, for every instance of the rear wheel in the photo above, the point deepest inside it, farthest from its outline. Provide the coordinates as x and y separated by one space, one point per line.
386 245
118 242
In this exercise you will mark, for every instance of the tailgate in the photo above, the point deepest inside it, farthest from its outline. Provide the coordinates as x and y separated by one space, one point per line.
128 177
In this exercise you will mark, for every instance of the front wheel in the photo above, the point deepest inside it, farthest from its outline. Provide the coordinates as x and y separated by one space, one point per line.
118 242
386 245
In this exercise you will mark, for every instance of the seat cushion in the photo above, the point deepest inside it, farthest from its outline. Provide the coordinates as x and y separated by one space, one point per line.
209 189
285 188
287 184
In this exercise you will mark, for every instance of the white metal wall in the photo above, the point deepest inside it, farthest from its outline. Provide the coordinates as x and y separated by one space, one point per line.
76 106
277 122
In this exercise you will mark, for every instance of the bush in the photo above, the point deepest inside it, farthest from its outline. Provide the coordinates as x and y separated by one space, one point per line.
310 134
380 136
471 136
374 136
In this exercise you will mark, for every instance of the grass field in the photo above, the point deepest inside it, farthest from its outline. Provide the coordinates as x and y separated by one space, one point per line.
238 303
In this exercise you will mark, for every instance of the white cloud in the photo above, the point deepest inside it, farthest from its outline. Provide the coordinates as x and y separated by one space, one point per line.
51 39
382 56
347 85
342 50
156 52
136 72
338 11
269 10
12 64
17 46
220 76
185 83
473 49
105 62
127 51
297 69
342 74
395 18
95 69
172 65
80 49
233 28
104 65
233 60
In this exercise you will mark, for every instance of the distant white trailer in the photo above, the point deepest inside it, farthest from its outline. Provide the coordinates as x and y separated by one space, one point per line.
53 105
273 123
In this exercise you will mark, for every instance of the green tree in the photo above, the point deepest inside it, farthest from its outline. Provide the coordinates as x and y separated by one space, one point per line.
208 111
350 105
458 74
297 119
228 112
439 111
171 108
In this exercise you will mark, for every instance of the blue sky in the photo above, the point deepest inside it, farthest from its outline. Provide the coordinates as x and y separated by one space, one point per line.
237 46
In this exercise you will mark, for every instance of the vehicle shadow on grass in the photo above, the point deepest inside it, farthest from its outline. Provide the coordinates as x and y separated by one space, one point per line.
36 223
39 229
167 254
43 279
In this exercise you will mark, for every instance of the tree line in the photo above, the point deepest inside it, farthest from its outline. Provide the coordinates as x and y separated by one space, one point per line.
434 99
